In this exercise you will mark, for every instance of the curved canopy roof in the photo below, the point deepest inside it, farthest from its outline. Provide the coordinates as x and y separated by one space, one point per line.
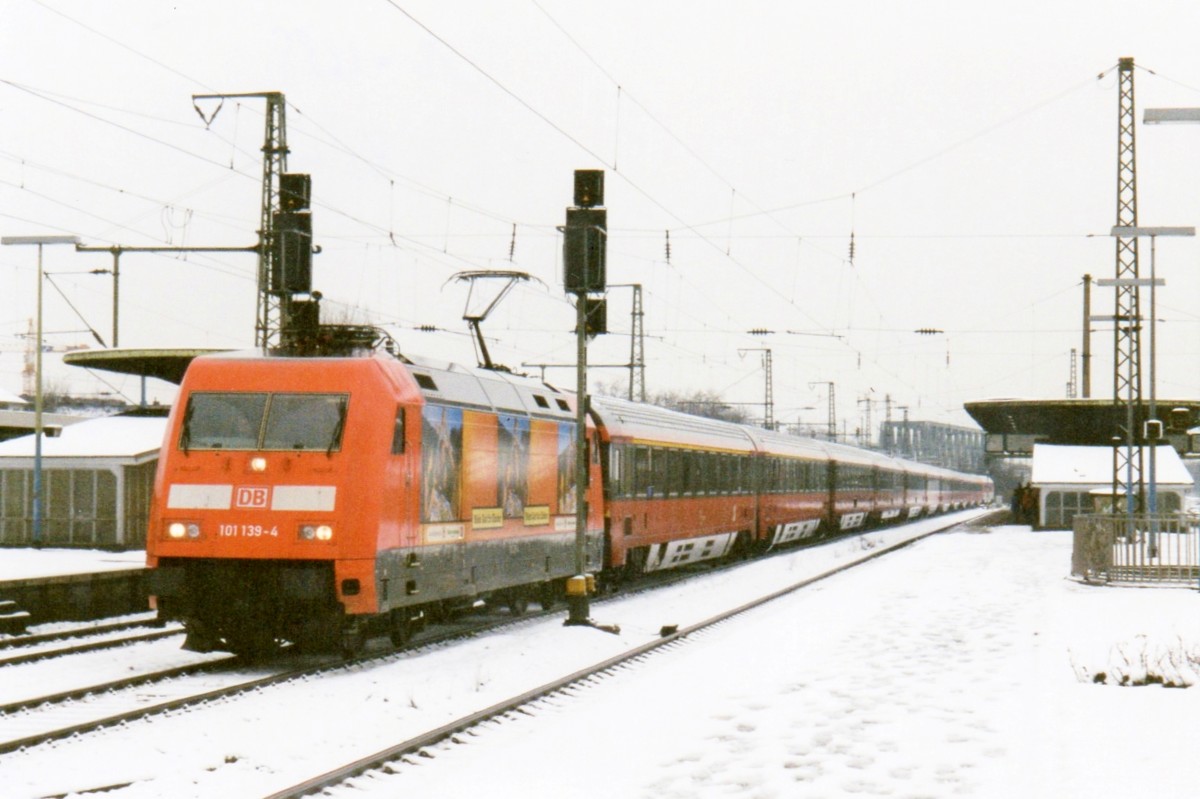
1067 421
165 364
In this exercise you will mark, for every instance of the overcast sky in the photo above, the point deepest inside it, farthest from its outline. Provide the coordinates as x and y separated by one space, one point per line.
970 149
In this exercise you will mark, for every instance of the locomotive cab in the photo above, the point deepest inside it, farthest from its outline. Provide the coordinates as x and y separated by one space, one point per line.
259 530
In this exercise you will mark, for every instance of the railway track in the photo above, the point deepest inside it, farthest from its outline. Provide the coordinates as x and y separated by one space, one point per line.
55 648
80 631
459 731
78 710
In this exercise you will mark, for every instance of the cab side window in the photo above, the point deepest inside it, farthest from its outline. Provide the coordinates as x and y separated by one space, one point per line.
398 433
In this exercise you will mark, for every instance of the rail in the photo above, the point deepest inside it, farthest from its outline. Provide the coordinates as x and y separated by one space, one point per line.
1139 548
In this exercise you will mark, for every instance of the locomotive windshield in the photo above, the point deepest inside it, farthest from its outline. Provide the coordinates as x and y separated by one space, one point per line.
252 421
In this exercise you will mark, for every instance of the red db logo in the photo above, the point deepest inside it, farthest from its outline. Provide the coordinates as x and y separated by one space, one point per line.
252 497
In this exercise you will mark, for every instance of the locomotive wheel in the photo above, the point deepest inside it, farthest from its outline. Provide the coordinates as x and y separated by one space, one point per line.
199 639
319 633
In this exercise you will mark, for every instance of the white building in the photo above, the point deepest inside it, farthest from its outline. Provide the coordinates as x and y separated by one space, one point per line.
97 478
1071 480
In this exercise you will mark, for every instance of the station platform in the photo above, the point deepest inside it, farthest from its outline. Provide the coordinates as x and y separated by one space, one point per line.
73 584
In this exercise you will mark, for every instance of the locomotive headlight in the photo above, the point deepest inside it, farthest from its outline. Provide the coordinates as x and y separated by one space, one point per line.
258 464
316 532
180 531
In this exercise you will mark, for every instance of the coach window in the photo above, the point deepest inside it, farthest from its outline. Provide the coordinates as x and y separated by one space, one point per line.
641 470
616 469
631 489
398 433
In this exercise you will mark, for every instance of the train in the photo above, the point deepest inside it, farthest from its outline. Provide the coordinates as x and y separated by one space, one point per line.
319 501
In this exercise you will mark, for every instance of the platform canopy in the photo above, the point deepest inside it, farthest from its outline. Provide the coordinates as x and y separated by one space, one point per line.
165 364
1012 426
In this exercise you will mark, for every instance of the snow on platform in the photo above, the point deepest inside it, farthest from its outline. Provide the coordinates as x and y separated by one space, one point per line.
36 564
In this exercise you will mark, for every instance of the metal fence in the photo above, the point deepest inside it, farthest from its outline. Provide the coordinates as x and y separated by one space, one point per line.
1120 548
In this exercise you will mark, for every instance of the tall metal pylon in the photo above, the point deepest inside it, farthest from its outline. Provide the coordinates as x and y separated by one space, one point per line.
637 344
637 350
831 433
1127 328
274 307
769 392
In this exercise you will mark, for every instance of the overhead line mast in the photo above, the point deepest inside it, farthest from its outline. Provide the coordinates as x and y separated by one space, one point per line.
284 231
1127 335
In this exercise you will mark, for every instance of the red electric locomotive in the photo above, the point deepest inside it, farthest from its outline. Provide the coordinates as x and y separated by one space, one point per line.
301 498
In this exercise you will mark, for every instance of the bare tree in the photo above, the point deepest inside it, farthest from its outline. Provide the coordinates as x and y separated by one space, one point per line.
698 402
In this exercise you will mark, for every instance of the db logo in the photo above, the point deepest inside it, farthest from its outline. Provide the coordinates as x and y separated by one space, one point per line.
252 497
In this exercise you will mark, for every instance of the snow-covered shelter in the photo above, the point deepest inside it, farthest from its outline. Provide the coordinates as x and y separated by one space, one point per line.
1070 479
97 478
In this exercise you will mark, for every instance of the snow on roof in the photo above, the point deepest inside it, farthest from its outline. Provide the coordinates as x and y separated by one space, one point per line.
9 398
1073 465
108 437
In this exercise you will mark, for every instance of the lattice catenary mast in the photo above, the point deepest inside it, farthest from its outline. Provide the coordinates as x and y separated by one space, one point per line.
1127 327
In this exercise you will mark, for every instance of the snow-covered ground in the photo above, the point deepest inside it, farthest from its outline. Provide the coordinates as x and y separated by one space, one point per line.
960 666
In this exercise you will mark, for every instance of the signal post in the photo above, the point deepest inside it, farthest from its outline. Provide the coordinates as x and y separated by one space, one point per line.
584 247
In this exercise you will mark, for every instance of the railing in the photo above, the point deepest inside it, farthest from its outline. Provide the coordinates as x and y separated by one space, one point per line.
1164 548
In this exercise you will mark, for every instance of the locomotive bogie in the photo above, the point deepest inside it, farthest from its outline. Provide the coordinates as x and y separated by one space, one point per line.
437 574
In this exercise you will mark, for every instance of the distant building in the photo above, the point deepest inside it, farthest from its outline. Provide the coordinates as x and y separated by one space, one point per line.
15 423
946 445
97 478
